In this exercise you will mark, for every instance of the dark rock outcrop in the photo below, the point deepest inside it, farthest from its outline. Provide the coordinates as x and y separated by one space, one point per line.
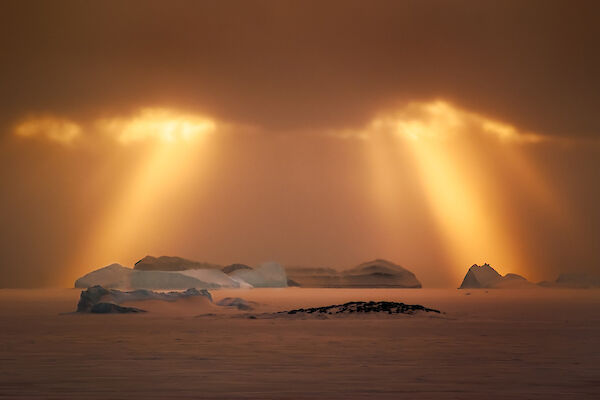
389 307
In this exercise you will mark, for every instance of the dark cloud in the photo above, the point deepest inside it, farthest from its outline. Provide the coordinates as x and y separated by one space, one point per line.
303 65
294 67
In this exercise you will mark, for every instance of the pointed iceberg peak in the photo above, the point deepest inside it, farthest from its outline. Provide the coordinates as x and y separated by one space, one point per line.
486 277
480 276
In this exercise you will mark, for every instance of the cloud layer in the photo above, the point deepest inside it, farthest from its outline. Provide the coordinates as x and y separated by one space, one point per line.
304 65
124 131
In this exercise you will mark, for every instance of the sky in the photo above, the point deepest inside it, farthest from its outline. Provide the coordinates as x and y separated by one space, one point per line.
434 134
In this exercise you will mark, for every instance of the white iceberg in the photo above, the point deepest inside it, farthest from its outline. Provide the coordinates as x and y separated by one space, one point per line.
214 276
116 276
111 276
167 280
268 274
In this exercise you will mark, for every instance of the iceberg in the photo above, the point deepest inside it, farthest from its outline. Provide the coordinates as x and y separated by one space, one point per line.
213 276
269 274
574 280
377 273
486 277
167 280
380 273
111 276
119 277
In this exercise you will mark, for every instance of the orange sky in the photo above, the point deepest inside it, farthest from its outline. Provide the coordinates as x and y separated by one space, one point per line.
325 135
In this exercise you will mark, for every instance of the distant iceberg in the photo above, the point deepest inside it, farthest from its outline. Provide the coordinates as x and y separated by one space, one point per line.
268 274
371 274
380 273
574 280
486 277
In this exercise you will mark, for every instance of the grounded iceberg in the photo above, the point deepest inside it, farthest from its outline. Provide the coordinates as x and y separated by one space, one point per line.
98 299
